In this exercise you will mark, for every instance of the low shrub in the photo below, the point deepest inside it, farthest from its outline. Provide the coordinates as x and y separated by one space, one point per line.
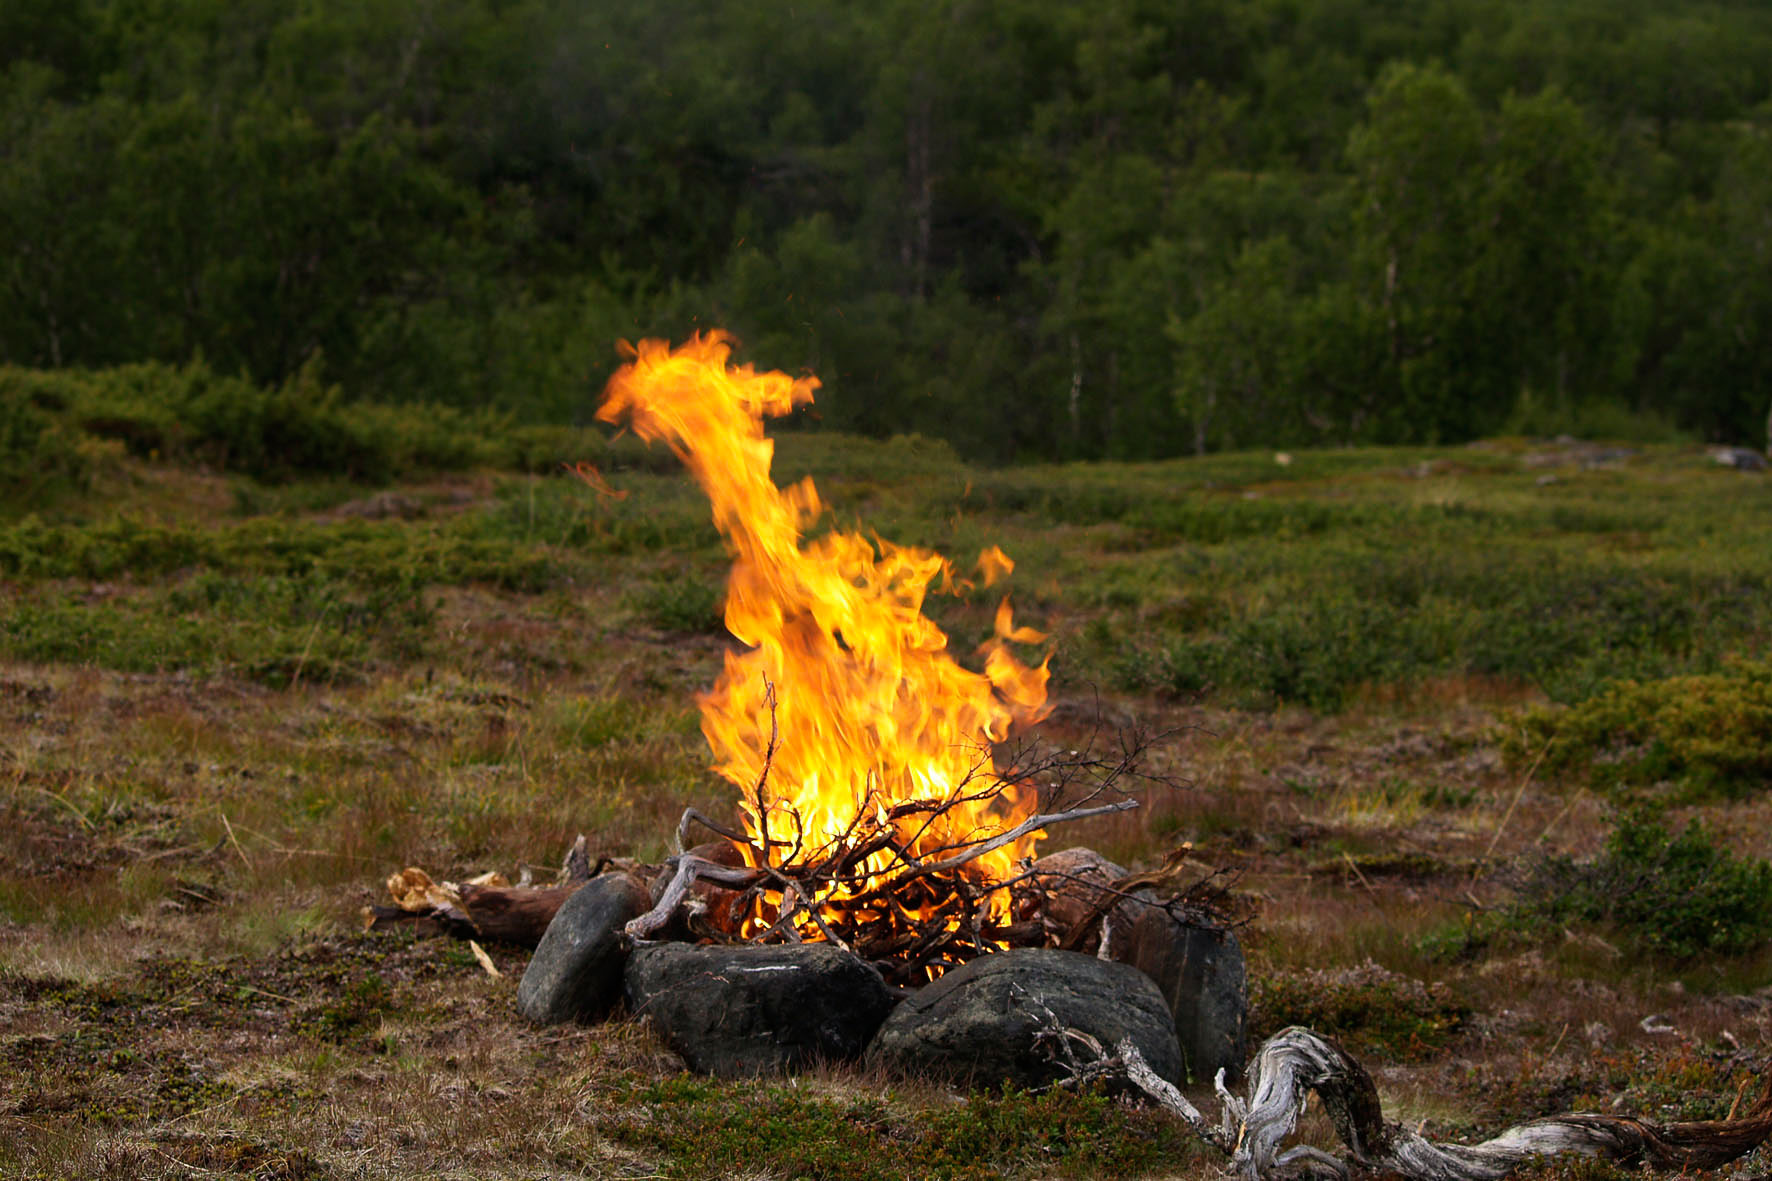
365 553
1314 628
272 629
1677 895
1704 735
305 427
681 604
38 452
710 1128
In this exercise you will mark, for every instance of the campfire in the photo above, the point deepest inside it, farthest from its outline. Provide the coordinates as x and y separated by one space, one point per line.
885 849
874 815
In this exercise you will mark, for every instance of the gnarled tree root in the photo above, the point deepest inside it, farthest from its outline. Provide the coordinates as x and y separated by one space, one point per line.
1296 1061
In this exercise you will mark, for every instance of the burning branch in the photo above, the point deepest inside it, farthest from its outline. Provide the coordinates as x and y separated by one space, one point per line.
913 917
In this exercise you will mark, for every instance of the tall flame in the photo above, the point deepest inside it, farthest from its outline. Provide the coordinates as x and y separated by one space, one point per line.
846 706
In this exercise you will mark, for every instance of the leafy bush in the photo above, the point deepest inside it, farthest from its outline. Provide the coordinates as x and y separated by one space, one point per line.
1677 895
37 451
304 427
1707 734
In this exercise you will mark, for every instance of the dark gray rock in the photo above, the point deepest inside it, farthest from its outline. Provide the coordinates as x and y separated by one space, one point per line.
576 972
1740 458
977 1024
1198 967
747 1010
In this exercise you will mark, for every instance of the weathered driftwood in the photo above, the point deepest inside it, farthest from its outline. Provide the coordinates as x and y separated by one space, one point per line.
1294 1061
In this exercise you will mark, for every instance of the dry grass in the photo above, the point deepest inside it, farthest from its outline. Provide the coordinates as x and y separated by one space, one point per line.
184 992
183 989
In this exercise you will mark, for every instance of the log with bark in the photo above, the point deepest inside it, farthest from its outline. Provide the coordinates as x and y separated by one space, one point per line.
488 908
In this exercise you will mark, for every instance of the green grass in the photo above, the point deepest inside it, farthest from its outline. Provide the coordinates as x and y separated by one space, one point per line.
1237 578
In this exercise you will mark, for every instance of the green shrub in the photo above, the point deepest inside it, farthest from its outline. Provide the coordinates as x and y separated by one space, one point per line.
305 427
1312 622
38 452
363 553
1705 734
1677 895
271 629
708 1128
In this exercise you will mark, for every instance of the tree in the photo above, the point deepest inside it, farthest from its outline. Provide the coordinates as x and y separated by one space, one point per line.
1232 356
1484 242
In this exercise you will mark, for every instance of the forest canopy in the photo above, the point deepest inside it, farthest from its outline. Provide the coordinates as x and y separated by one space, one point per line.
1120 229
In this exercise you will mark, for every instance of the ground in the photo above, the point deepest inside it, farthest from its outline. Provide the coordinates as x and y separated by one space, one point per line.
231 710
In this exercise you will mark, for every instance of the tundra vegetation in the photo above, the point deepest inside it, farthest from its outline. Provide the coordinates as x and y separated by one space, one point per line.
1478 746
1338 373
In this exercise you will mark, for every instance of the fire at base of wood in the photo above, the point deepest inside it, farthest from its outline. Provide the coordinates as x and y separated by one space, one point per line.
1078 901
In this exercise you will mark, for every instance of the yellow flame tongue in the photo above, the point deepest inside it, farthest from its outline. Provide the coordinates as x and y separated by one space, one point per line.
865 707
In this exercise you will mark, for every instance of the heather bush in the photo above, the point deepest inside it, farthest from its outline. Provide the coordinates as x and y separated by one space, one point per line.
1695 736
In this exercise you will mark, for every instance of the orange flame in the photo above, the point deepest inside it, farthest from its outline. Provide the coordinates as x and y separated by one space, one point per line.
846 710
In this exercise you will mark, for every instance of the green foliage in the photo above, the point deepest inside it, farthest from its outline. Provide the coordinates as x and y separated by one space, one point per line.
57 428
39 455
1367 1009
359 1009
1126 232
1334 617
1703 735
1679 895
272 630
304 427
361 552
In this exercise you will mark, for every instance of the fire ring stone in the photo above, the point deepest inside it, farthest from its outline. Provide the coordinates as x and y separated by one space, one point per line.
576 972
977 1024
749 1010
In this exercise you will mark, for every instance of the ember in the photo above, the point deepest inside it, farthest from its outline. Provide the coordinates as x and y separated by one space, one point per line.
874 816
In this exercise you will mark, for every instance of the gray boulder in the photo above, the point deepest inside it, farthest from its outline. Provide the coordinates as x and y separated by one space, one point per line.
1740 458
576 972
978 1023
1198 967
749 1010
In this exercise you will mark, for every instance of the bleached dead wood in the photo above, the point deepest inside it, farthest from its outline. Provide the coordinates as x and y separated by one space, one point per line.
1254 1131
